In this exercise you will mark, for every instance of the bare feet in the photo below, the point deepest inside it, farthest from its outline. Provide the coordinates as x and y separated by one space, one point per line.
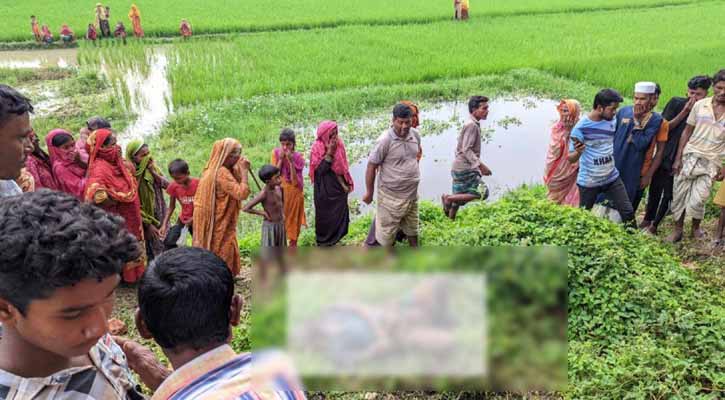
645 224
446 205
698 233
652 230
675 237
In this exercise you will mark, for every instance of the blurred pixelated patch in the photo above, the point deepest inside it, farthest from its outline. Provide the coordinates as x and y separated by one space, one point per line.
469 318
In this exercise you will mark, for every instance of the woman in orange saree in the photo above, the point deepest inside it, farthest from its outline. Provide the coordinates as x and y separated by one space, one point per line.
218 200
560 174
135 16
111 186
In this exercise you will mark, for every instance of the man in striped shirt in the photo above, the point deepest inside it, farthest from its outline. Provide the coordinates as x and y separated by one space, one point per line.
188 306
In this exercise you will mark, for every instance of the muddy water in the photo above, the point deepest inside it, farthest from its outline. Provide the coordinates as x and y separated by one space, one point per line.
516 137
149 97
34 59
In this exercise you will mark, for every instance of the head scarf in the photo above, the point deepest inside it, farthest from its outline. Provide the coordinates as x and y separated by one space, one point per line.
205 198
71 176
46 31
65 30
145 180
414 107
340 166
134 12
107 171
560 137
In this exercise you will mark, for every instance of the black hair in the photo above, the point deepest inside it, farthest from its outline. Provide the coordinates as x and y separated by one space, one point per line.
700 82
52 240
267 172
178 166
287 135
402 111
718 77
184 298
95 123
12 104
658 90
61 139
108 140
475 101
606 97
32 16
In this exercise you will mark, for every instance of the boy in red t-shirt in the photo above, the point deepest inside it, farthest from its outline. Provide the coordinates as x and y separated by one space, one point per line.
182 190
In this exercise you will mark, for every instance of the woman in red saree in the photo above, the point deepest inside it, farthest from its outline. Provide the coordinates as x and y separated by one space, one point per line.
135 16
39 166
67 167
560 174
111 186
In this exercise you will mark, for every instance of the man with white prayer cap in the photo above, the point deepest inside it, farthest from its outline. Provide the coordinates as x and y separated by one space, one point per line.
636 129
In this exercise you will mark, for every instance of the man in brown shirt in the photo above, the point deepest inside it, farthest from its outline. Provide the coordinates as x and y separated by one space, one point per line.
467 167
395 161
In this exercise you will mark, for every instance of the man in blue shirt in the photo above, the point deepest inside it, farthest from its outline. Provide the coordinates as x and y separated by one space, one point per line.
592 145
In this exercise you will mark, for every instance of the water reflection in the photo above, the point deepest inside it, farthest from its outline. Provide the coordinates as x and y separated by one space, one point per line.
35 59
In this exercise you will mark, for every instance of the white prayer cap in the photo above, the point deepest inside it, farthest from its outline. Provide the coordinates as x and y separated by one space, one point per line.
645 87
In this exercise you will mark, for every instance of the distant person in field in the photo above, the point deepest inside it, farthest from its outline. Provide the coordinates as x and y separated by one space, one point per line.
592 145
59 270
464 10
636 129
187 305
39 166
218 200
559 174
120 32
151 184
181 190
468 169
330 174
112 187
274 238
676 112
15 138
185 29
47 35
394 161
102 15
36 29
135 16
68 168
290 164
91 33
400 236
699 159
456 9
66 35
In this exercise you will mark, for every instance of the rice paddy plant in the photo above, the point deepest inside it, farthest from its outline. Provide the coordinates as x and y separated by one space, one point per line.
595 47
162 17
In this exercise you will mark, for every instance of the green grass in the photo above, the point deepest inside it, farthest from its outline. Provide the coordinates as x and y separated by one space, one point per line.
162 18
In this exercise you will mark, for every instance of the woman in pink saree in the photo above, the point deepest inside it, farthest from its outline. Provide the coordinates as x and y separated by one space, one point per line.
67 167
560 174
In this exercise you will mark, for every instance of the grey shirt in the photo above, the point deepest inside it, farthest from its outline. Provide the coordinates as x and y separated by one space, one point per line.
468 149
9 188
398 172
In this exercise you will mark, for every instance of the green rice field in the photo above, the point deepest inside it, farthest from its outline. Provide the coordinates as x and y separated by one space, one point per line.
646 318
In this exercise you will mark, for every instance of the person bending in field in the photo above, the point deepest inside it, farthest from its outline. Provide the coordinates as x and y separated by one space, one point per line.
47 35
182 190
91 33
290 164
120 32
274 238
699 159
187 305
467 168
59 268
66 35
36 29
592 145
185 29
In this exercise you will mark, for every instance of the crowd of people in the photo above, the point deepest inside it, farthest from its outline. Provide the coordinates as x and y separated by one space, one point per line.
94 216
100 28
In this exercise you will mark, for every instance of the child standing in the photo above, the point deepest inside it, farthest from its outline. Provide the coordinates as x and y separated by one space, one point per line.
36 29
290 164
273 227
182 190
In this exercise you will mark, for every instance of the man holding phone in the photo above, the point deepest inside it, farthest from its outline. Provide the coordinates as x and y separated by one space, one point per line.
592 145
